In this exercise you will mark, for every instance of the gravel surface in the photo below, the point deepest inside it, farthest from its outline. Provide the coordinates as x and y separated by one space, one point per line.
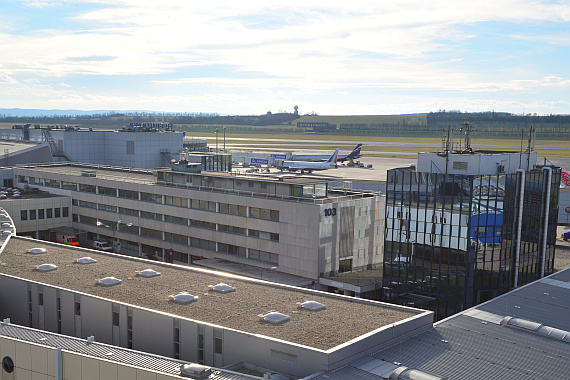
342 320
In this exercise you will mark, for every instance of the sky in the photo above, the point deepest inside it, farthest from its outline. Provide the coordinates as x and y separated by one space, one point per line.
250 57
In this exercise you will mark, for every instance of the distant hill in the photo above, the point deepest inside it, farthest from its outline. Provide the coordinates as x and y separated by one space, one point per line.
25 112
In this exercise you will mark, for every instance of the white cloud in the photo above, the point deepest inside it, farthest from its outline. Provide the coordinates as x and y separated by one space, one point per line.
307 47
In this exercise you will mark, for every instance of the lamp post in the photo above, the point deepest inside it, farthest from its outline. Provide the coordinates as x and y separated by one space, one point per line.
114 230
271 269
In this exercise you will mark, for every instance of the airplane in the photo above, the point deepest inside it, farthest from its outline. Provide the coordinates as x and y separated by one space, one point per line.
321 157
310 166
354 154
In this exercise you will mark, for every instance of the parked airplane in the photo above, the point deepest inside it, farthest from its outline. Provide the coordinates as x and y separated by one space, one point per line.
310 166
322 157
354 154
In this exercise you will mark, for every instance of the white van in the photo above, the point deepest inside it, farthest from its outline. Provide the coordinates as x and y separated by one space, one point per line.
102 245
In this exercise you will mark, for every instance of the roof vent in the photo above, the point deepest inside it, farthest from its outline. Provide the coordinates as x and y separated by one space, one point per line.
222 288
46 267
537 328
37 250
86 260
195 371
311 305
148 273
413 374
183 298
274 317
109 281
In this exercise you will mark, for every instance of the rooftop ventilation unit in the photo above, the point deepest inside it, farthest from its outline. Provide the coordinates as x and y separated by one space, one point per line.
311 305
183 298
406 373
195 371
46 267
86 260
37 250
274 317
109 281
148 273
222 288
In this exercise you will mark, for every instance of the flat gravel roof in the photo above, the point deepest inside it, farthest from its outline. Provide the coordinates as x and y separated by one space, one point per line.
343 319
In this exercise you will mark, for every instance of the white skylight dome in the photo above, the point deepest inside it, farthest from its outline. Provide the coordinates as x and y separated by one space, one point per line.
148 273
46 267
274 317
222 288
86 260
183 298
109 281
37 250
311 305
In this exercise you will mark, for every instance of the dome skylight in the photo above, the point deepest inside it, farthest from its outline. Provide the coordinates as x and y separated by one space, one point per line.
311 305
46 267
183 298
222 288
86 260
109 281
274 317
37 250
148 273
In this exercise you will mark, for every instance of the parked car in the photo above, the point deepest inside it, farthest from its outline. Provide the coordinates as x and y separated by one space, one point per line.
102 246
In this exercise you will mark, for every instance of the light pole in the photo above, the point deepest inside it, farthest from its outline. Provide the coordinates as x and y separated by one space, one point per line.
217 130
114 230
271 269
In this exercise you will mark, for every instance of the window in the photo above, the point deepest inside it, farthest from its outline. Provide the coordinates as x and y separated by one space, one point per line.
129 194
57 212
151 215
233 209
268 257
203 224
176 238
23 214
263 213
68 185
77 308
65 212
203 205
264 235
88 188
32 214
41 213
148 232
231 229
175 201
175 219
231 249
127 211
115 318
107 191
148 197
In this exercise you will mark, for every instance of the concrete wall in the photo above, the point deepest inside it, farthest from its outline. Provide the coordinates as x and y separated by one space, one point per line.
37 362
23 227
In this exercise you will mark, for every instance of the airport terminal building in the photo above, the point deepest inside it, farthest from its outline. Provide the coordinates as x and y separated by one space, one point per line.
297 224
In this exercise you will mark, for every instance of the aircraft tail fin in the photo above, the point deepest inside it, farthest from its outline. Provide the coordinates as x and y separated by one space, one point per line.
334 156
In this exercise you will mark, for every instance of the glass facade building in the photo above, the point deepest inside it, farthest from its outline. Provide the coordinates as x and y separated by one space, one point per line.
453 241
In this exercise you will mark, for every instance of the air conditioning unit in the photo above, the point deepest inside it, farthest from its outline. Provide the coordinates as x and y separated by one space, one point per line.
195 371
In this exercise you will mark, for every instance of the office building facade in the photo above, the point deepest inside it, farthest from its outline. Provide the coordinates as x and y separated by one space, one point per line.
455 240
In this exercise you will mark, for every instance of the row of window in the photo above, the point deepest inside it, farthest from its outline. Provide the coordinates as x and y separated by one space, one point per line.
209 245
224 208
182 221
47 213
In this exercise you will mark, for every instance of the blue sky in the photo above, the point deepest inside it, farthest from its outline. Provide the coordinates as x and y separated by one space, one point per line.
250 57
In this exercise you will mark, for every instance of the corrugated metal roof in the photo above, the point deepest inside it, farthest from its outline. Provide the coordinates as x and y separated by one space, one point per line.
107 352
473 345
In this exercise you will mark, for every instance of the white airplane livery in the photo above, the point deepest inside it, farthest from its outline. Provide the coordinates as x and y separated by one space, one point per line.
310 166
